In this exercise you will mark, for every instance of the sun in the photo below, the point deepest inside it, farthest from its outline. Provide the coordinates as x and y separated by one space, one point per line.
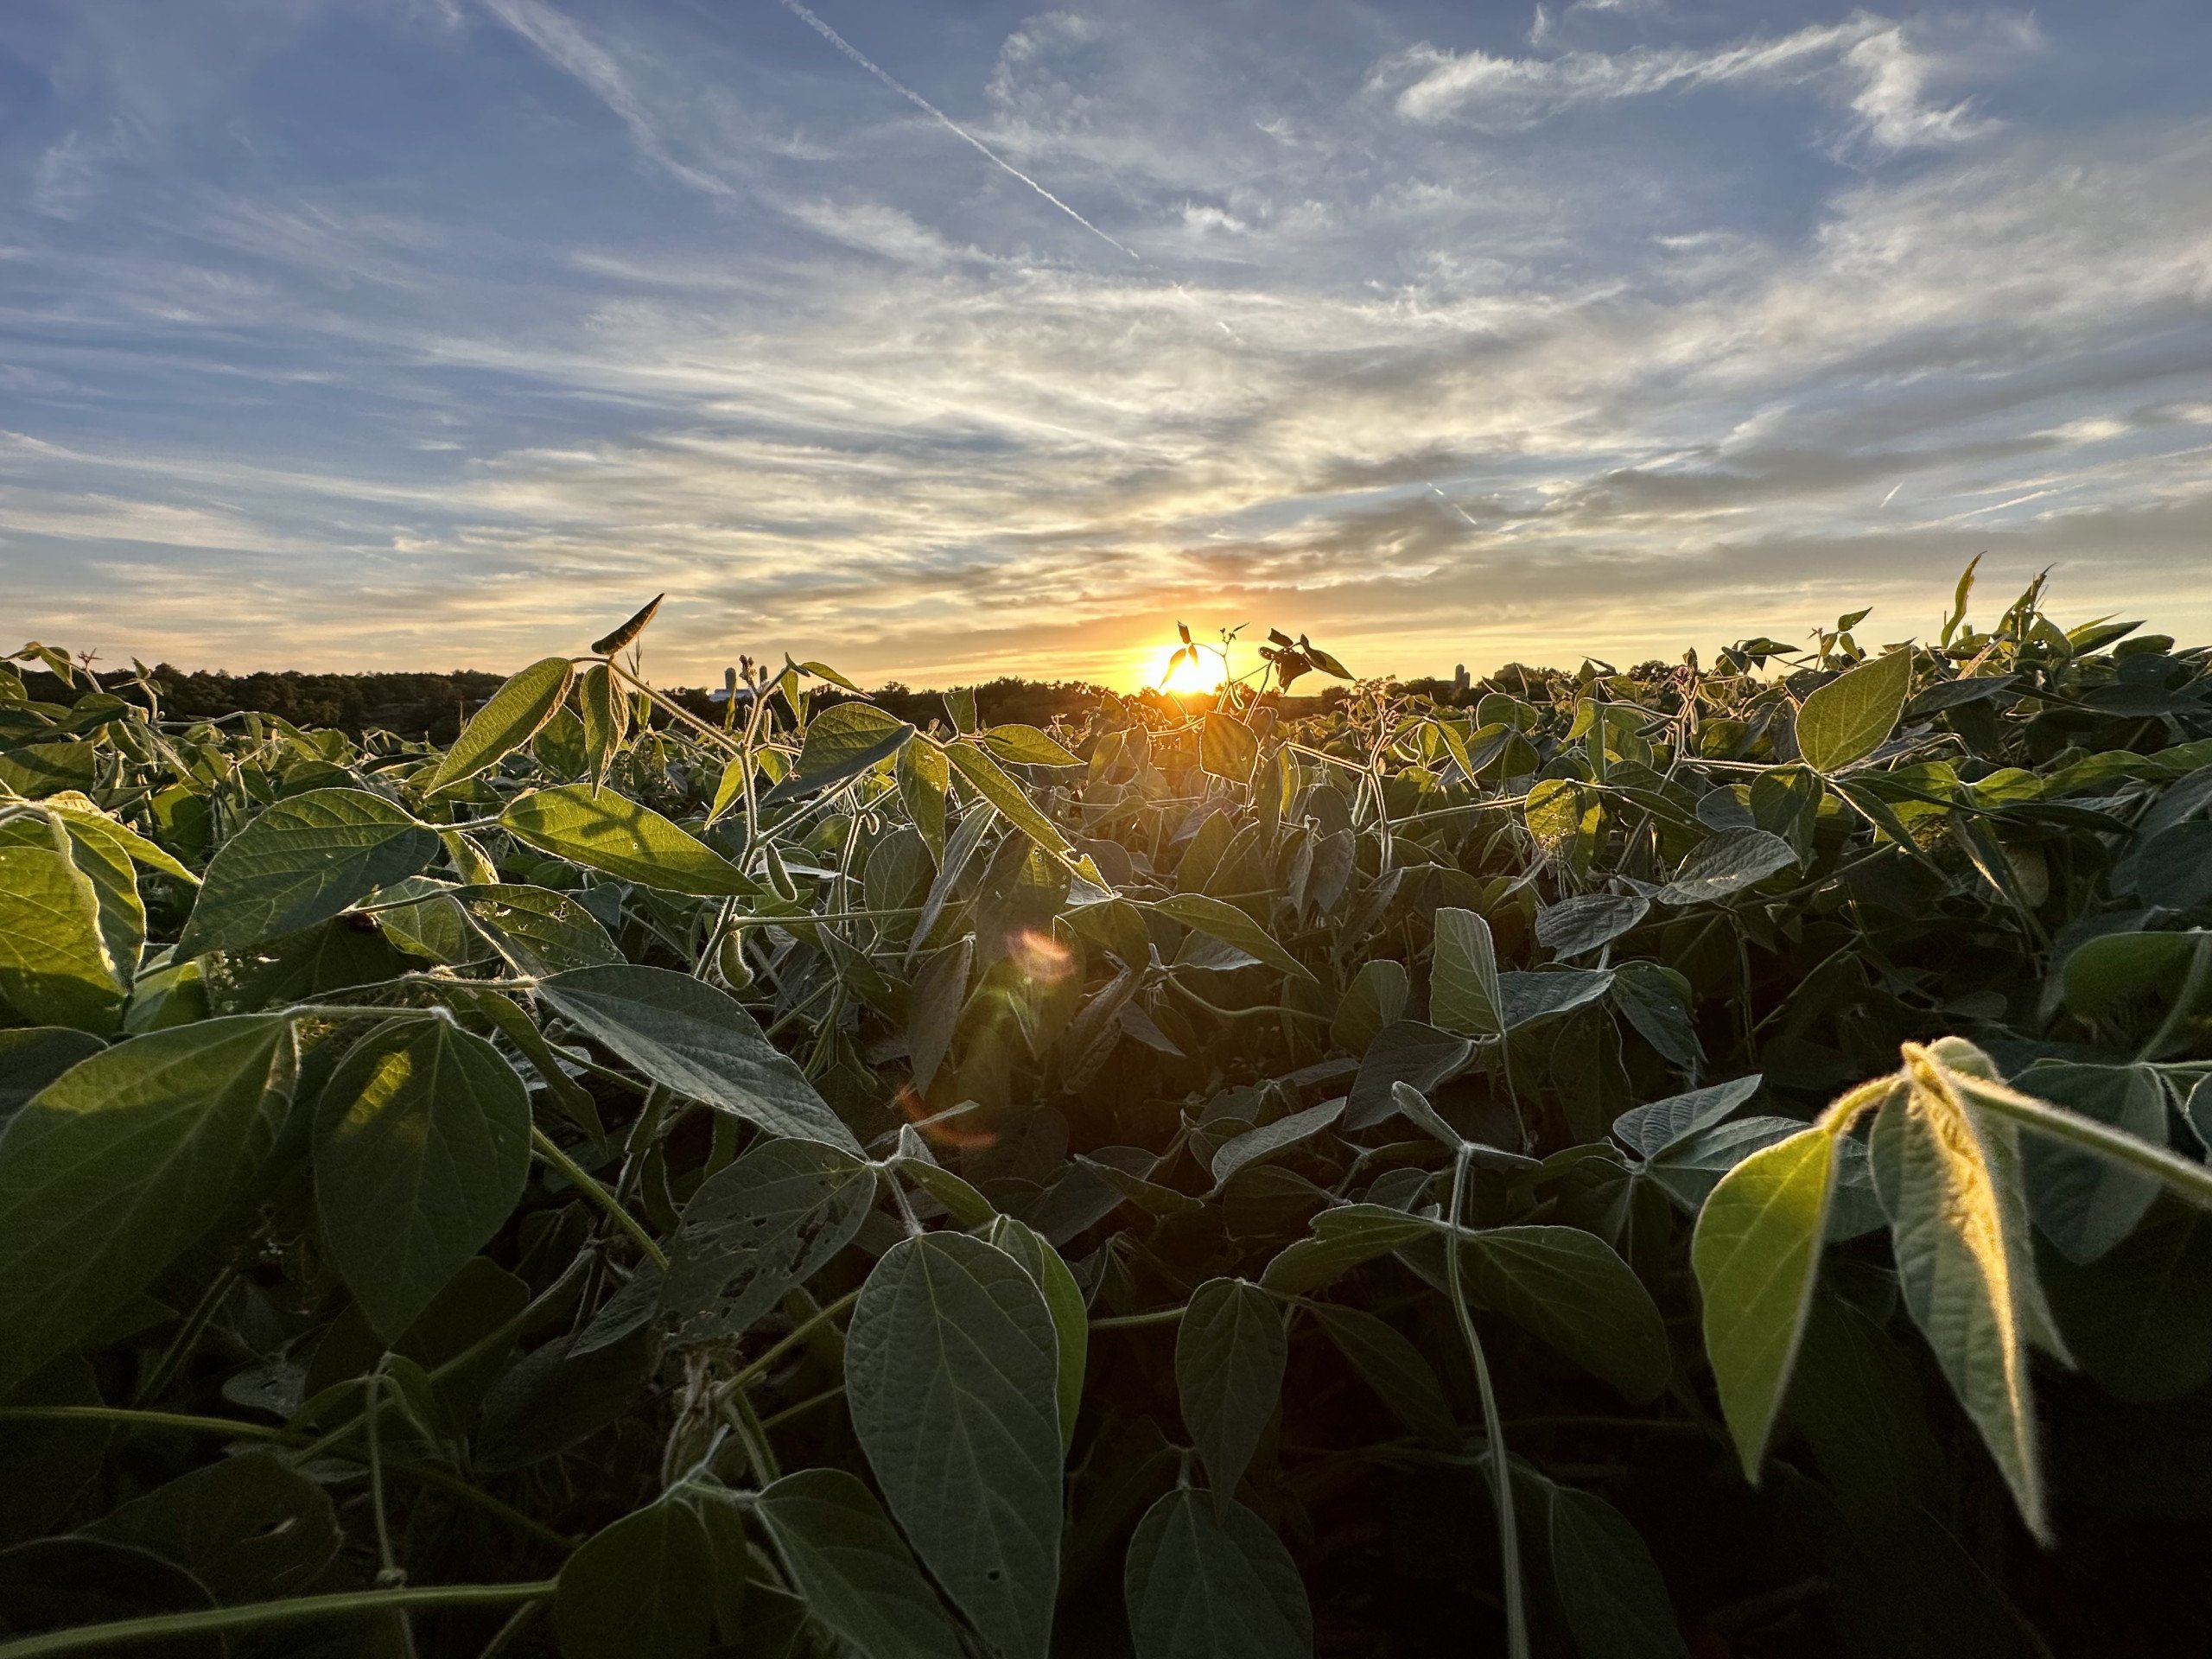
1187 677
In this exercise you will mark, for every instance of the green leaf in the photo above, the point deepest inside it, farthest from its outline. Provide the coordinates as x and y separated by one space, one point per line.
2139 1318
924 776
753 1230
1231 1352
2104 975
1070 1318
1227 747
1025 746
643 1586
1610 1589
421 1147
606 718
510 720
1852 715
940 991
1218 918
1527 997
951 1366
700 1042
1727 863
982 774
603 831
103 859
1949 1176
854 1569
80 810
536 931
1197 1586
1572 1290
2174 867
1343 1238
1407 1051
1400 1375
302 861
629 630
1464 994
1689 1170
841 744
54 965
2083 1203
33 1056
249 1528
1576 927
122 1162
1757 1252
1376 998
1650 1129
1254 1146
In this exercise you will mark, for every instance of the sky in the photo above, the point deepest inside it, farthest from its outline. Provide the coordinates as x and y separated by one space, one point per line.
940 341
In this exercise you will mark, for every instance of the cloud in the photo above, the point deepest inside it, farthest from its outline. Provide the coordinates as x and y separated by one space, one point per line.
572 52
1879 68
1429 400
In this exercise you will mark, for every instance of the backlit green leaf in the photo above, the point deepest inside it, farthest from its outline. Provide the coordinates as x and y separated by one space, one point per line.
841 743
302 861
422 1144
699 1041
1217 918
54 965
1851 717
1949 1179
536 932
951 1366
1464 995
983 775
1070 1318
122 1162
1227 747
603 831
510 720
1757 1251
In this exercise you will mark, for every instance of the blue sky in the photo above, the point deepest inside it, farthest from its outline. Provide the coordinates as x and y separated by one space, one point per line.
350 334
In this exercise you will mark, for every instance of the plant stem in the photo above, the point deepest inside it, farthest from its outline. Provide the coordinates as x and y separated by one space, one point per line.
543 1144
1501 1474
798 1334
1129 1321
166 1367
1243 1013
429 1474
89 1637
2190 1181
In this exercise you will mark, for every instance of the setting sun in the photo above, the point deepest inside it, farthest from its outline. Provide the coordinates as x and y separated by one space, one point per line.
1184 670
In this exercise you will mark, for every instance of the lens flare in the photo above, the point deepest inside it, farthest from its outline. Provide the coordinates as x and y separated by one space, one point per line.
1039 957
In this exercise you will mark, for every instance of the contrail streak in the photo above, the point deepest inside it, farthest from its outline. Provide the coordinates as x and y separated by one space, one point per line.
946 121
1454 505
1893 495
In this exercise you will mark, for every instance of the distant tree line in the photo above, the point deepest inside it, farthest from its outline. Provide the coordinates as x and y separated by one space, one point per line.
433 705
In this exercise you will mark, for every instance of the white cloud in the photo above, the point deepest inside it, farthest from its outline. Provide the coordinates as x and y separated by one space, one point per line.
1879 68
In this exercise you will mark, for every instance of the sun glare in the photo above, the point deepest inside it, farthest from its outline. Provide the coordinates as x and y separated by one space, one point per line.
1203 674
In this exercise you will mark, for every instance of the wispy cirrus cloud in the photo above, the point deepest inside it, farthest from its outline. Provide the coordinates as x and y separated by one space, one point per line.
1880 70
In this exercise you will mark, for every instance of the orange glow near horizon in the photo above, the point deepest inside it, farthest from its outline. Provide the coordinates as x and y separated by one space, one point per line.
1186 676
